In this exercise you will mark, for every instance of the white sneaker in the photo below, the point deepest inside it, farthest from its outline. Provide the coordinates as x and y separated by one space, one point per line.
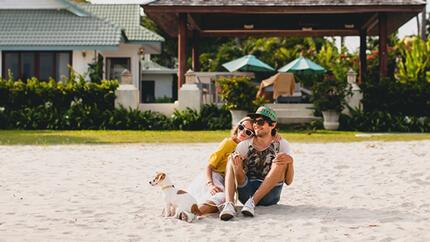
248 208
228 212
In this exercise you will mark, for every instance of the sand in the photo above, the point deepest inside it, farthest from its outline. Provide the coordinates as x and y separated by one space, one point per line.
342 192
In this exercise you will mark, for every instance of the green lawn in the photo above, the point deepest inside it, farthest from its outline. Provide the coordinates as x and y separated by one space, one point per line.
16 137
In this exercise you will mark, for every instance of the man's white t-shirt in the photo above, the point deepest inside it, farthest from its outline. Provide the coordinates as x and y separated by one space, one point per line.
257 163
243 147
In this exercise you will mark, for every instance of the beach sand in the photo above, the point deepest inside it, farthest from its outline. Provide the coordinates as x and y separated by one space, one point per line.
369 191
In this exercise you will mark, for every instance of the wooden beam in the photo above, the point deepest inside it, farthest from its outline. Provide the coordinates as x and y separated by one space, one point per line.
182 49
193 23
371 22
363 57
423 25
279 32
284 9
195 51
383 55
168 22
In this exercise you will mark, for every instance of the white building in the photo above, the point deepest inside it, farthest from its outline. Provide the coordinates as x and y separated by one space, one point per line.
41 38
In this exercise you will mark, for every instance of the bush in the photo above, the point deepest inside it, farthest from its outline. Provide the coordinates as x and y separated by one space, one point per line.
379 121
329 95
210 117
18 94
238 93
215 118
77 104
411 98
122 118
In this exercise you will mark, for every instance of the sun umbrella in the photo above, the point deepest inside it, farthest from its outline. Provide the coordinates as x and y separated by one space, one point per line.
302 64
247 63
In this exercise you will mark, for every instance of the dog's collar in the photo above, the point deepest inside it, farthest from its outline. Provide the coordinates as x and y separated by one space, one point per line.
168 186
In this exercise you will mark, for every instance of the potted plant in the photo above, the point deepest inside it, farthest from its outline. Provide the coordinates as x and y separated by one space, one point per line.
238 93
329 98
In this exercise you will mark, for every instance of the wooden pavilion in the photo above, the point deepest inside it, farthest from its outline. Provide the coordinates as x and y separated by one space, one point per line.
195 19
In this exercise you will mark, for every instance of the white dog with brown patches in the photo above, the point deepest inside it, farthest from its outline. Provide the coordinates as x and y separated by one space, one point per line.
178 203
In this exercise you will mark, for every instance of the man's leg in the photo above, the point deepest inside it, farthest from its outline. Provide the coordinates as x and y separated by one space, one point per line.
232 174
275 175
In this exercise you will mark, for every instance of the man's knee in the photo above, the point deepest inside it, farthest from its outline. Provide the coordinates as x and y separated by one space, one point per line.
278 171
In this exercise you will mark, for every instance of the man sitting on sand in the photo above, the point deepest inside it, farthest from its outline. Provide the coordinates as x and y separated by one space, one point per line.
260 166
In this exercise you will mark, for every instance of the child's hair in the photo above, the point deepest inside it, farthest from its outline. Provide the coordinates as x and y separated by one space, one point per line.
235 129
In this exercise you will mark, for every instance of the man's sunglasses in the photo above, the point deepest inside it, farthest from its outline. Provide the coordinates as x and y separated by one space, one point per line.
247 131
261 121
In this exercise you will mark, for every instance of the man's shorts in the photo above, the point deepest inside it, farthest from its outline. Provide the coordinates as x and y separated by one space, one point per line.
248 189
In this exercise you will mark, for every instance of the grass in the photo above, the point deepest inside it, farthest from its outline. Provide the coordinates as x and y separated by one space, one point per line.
49 137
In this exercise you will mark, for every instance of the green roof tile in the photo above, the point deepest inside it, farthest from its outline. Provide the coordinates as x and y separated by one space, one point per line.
127 17
50 28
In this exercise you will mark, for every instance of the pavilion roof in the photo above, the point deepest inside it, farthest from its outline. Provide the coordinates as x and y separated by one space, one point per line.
283 2
282 17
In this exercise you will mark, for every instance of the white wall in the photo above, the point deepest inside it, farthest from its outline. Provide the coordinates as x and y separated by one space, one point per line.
163 84
126 50
165 108
80 63
31 4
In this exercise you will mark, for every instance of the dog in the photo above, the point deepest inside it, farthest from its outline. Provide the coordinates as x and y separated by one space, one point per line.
178 203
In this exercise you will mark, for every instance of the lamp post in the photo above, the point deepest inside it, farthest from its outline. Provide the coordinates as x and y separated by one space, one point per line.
352 79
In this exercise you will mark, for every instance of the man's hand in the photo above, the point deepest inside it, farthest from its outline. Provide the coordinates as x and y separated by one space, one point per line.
283 159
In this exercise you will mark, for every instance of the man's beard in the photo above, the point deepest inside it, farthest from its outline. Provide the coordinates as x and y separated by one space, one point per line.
261 133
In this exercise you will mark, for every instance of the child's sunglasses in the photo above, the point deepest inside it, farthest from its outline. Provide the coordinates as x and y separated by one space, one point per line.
247 131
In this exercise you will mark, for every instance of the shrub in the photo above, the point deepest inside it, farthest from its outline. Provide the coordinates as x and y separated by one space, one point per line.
329 95
122 118
411 98
210 117
187 119
238 93
379 121
215 118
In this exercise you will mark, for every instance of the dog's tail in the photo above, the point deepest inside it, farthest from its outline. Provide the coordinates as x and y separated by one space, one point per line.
195 210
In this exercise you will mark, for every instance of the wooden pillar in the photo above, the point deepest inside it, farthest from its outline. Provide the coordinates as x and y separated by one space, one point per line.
363 57
424 23
182 49
195 51
383 55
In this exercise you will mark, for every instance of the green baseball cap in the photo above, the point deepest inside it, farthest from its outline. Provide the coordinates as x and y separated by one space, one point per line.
265 112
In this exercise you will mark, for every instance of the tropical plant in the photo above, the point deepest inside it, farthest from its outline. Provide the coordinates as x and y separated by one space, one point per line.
338 62
95 70
414 63
330 95
238 93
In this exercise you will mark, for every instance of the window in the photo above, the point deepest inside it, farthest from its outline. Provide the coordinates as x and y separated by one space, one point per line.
27 65
46 65
40 64
11 64
147 92
115 66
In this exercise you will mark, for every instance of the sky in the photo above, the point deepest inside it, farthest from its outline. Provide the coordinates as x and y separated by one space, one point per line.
352 43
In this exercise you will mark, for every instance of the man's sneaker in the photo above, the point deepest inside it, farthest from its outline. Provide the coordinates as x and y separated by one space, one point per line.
248 208
227 212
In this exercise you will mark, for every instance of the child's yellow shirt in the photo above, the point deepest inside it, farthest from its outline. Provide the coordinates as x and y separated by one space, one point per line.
218 159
